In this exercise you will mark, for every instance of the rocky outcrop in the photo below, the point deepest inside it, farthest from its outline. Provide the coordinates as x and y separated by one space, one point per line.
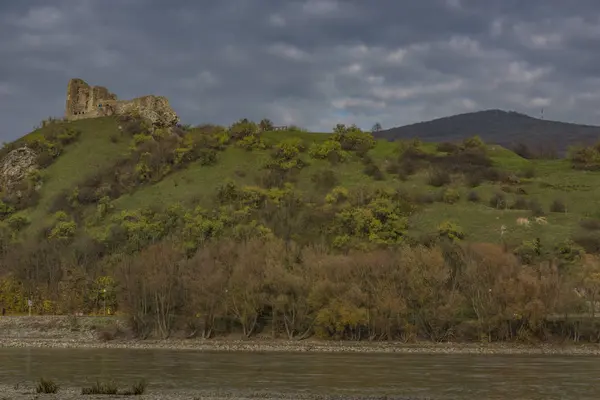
16 166
85 101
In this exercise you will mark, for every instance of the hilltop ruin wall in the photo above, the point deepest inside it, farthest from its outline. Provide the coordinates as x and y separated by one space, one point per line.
85 101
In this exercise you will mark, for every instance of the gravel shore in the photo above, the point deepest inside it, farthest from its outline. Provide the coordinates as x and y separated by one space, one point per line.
28 393
60 332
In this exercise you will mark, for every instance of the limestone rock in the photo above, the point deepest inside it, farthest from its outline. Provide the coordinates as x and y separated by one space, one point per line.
15 167
85 101
155 109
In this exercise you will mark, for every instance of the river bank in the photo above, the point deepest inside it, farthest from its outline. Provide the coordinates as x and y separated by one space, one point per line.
27 392
90 332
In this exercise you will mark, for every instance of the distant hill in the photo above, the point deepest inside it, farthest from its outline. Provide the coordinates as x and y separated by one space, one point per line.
507 128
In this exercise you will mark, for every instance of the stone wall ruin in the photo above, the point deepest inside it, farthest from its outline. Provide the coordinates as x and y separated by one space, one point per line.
85 101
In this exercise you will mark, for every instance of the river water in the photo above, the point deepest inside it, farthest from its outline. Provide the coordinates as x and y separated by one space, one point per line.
436 376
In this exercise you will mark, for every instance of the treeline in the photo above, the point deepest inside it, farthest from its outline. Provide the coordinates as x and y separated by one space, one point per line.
272 287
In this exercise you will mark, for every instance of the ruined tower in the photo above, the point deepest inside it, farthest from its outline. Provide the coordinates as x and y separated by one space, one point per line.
85 101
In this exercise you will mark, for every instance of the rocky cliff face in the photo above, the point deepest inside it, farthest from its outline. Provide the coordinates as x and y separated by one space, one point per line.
85 101
16 166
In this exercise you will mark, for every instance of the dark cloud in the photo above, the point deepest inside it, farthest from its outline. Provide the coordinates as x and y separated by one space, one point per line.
308 62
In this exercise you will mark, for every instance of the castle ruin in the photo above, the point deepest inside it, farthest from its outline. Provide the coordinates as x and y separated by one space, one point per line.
85 101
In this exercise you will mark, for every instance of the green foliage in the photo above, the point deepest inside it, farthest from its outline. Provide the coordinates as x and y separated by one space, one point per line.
450 230
251 142
585 157
5 210
474 142
450 196
381 221
64 227
329 150
352 138
529 251
265 125
17 222
242 129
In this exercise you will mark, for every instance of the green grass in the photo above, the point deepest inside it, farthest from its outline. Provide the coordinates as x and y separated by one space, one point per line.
94 150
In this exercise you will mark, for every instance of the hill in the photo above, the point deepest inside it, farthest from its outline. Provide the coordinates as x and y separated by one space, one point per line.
508 129
214 227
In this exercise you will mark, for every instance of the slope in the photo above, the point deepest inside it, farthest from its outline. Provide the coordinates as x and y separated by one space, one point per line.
497 126
109 175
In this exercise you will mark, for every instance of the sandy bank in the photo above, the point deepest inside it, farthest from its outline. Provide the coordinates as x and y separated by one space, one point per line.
60 332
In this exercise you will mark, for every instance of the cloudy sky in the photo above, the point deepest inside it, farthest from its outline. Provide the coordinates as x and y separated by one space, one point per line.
313 63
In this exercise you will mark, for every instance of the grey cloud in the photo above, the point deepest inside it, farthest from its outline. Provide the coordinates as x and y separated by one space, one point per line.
308 62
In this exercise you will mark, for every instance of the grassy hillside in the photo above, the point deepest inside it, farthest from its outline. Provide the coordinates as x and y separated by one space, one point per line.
117 207
100 146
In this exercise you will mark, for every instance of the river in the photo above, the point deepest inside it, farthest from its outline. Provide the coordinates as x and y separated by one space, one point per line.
452 376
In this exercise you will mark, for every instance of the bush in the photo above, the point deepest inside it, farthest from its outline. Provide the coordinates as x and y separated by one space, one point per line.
438 178
536 208
424 198
473 197
450 230
558 206
46 386
589 241
137 389
474 179
590 224
44 159
451 196
100 388
498 201
447 147
373 171
520 203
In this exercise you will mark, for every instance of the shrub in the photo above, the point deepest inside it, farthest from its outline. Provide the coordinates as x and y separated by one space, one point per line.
17 222
329 150
473 196
373 171
474 179
447 147
424 198
438 178
137 389
100 388
46 386
589 241
590 224
558 206
536 208
498 200
474 142
450 196
352 138
520 203
451 231
44 159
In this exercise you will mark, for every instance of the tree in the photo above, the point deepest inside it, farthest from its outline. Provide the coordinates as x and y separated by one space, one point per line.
265 125
376 128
